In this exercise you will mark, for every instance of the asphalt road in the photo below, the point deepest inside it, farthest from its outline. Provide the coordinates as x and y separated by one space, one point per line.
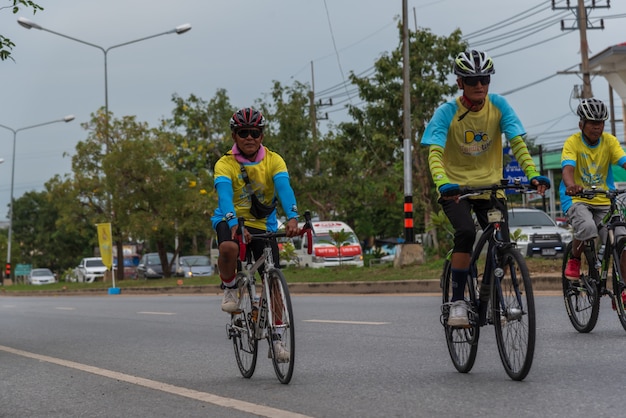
357 356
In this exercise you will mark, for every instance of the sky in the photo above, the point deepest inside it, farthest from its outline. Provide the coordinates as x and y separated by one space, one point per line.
244 46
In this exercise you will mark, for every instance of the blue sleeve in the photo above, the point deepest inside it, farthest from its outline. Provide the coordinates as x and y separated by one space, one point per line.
436 132
225 206
286 195
510 125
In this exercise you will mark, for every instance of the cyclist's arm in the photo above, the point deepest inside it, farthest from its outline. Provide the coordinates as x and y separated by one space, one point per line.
225 198
287 201
520 151
435 163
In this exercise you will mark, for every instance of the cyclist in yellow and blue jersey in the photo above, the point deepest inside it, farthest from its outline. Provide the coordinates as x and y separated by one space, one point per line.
464 138
255 199
586 161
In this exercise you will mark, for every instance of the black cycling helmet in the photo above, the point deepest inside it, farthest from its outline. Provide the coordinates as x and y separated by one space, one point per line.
473 63
592 109
247 118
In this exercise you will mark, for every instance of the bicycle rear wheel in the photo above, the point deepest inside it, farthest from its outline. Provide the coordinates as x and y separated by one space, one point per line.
242 332
281 326
462 342
513 312
582 299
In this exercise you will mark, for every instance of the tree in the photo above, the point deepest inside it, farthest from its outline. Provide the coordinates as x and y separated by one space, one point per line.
6 46
378 125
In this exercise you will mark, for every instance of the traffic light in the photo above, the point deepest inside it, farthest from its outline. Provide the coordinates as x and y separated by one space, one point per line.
7 270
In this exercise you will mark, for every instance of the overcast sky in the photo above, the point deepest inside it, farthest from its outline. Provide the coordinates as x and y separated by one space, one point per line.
243 46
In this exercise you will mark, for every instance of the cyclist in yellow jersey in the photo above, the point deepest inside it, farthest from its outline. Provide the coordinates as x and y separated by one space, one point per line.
464 138
249 180
586 161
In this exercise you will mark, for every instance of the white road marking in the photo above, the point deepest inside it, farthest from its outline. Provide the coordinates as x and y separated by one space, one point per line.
328 321
259 410
156 313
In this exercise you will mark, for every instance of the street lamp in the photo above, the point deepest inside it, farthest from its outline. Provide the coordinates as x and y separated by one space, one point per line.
179 30
68 118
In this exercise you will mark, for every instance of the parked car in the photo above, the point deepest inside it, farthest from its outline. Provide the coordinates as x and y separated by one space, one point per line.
130 266
539 233
194 266
150 266
41 276
90 269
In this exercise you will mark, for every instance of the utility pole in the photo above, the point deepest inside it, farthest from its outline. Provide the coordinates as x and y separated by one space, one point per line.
582 23
315 118
409 234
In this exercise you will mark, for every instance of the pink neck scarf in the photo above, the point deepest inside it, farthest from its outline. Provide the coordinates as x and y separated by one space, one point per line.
241 159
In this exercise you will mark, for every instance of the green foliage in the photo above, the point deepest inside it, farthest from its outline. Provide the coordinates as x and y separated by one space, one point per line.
517 235
6 46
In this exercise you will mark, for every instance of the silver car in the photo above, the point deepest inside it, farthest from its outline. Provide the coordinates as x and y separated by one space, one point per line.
538 233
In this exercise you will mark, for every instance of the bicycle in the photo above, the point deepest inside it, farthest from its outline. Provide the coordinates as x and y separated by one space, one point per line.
582 297
269 316
503 298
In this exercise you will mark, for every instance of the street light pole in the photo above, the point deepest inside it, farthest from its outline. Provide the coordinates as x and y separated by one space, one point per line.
67 118
179 30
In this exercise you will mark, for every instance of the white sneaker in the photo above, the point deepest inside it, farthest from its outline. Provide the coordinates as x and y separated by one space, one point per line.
458 314
282 355
230 300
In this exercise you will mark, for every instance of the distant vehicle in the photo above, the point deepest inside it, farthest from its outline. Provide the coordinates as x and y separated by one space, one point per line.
130 266
41 276
150 266
90 269
325 251
194 266
540 235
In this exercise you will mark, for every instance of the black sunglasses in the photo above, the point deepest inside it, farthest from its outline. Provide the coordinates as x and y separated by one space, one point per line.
473 81
254 133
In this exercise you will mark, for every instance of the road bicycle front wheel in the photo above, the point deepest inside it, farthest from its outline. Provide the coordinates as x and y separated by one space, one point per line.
462 342
619 287
242 332
513 312
582 299
281 326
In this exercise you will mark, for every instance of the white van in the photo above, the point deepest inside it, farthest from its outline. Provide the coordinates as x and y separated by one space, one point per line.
325 253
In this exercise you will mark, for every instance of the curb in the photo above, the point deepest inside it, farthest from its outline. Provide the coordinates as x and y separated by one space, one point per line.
540 283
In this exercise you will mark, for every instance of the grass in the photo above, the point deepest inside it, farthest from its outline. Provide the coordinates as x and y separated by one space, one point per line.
386 272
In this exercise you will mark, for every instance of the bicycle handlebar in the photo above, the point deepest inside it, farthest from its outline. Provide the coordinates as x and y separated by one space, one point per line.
307 229
469 191
593 192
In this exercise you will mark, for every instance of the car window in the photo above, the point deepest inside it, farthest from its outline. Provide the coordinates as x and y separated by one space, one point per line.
530 219
199 260
94 263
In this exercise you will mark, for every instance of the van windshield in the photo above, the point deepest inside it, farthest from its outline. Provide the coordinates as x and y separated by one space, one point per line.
326 239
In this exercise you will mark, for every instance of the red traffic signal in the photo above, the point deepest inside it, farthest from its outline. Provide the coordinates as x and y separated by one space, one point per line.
7 270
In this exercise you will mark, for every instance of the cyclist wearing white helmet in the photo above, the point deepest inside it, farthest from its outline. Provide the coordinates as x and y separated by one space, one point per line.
586 161
465 149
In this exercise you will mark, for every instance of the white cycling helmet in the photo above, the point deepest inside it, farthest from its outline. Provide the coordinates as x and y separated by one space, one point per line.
473 63
592 109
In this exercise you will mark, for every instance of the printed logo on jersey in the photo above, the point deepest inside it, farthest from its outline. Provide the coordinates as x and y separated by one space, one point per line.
475 143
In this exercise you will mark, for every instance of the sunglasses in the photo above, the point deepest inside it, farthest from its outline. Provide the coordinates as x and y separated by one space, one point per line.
254 133
473 81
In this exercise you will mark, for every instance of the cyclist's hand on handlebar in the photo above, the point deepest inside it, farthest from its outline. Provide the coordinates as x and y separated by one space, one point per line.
540 183
234 232
449 190
291 228
574 189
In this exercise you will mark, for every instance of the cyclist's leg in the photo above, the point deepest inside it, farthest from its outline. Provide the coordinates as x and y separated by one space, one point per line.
460 216
227 265
583 222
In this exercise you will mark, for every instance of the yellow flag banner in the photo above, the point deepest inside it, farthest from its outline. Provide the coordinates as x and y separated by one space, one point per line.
106 244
